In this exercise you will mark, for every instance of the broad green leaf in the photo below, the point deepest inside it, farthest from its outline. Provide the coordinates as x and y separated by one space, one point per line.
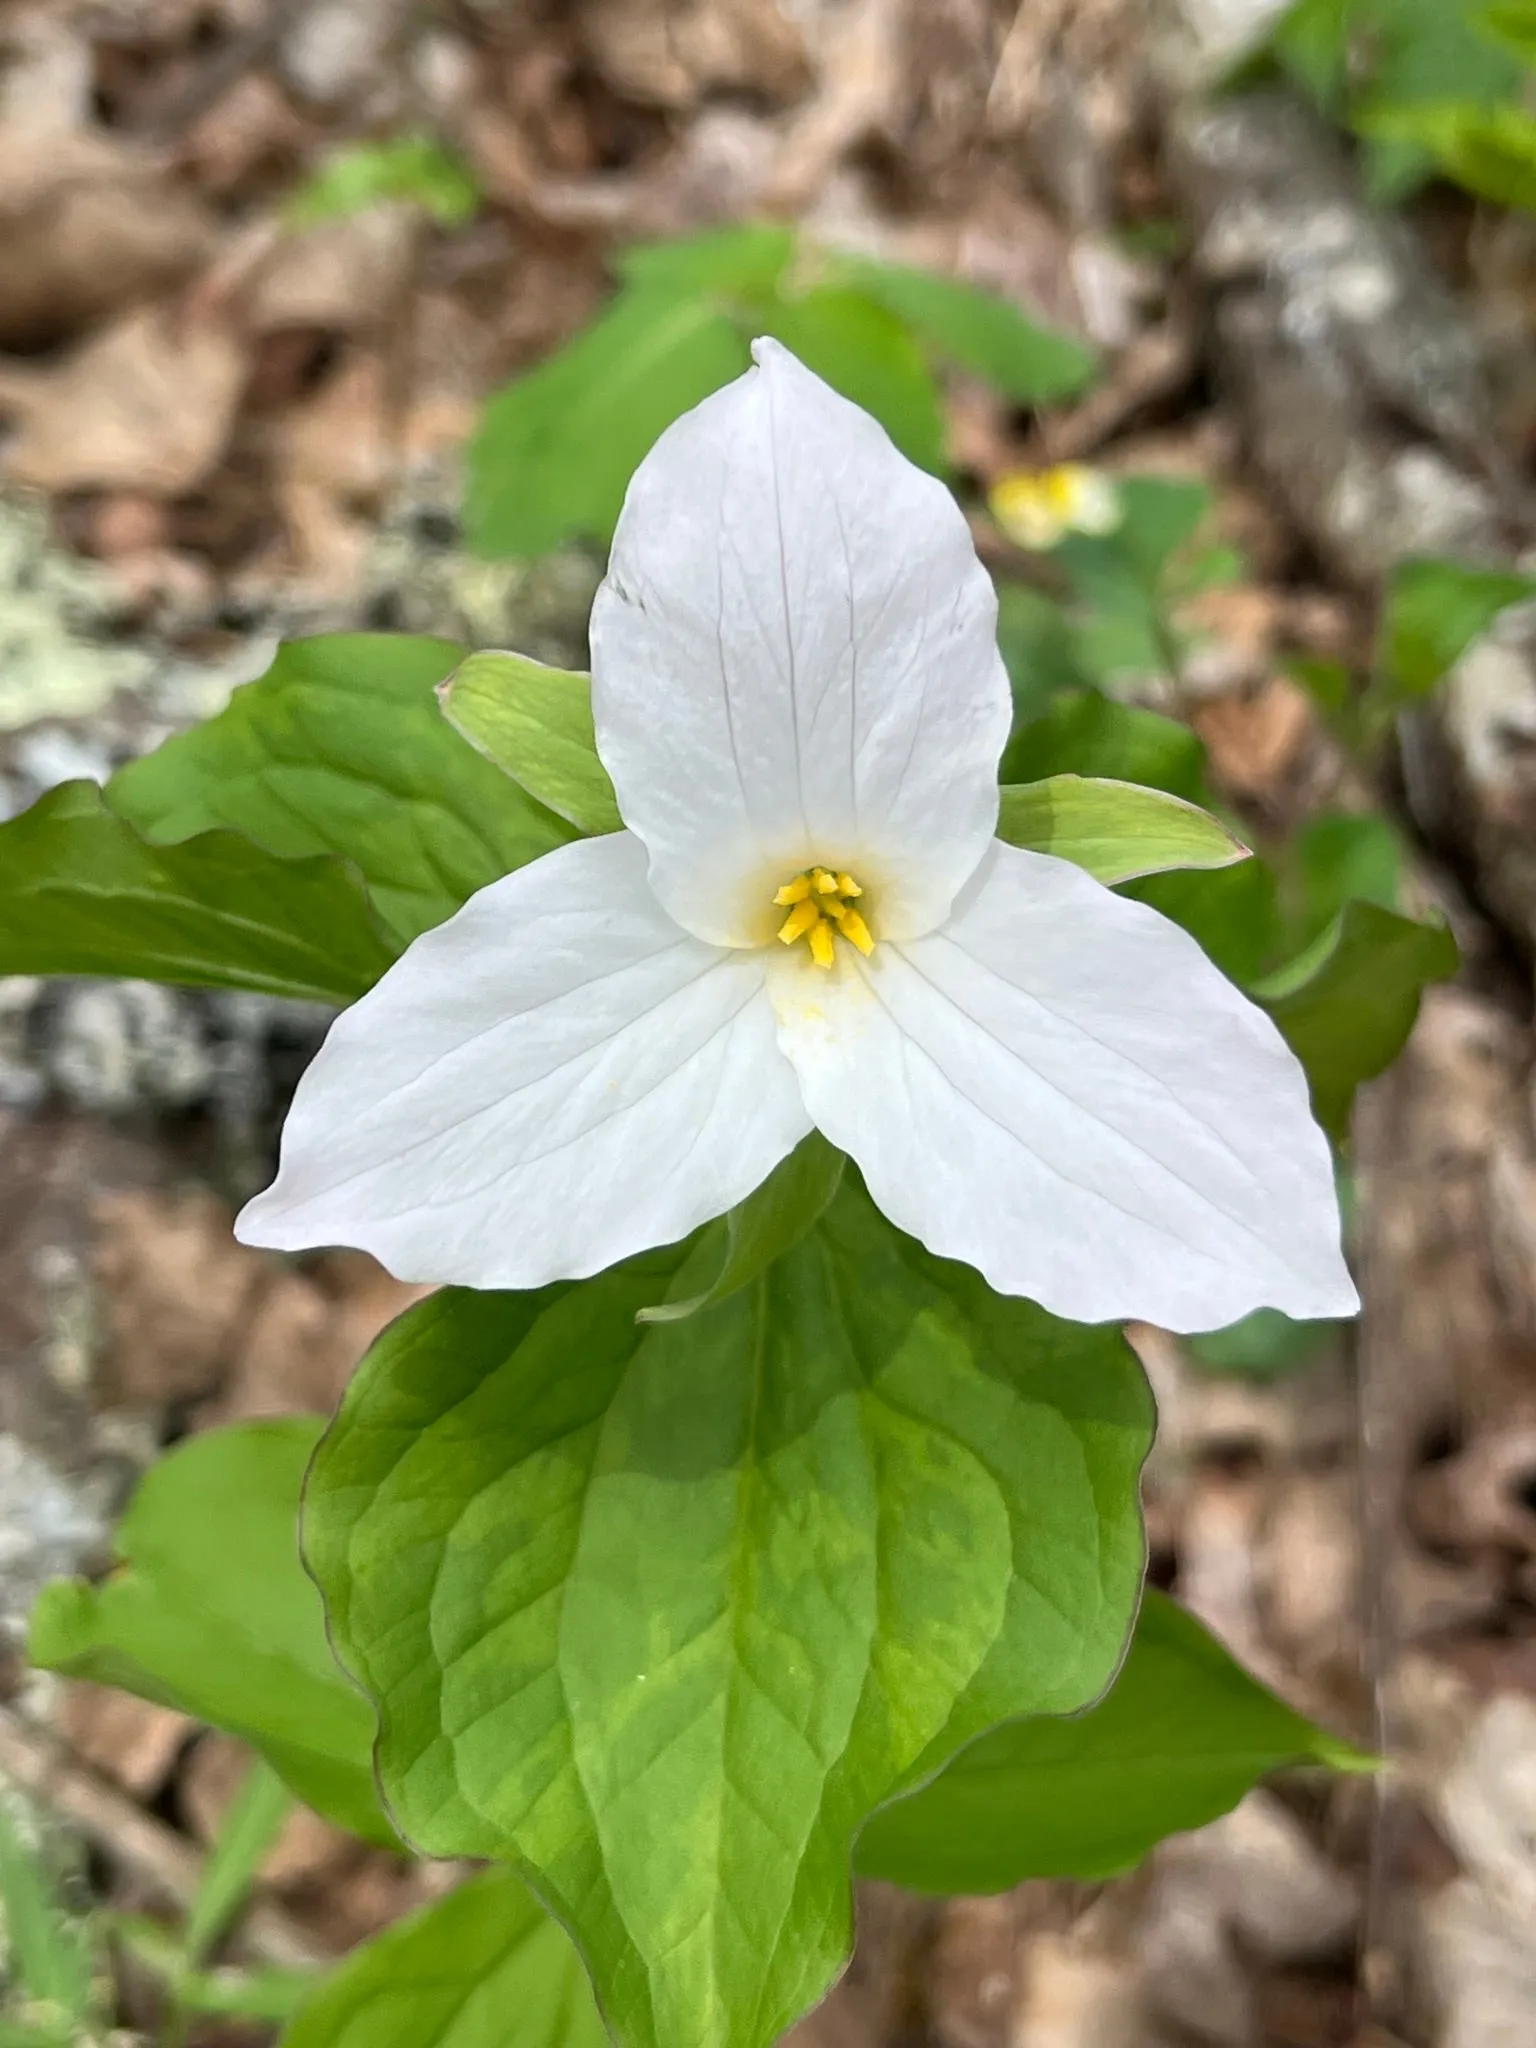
555 449
1347 1004
660 1613
1338 858
1512 23
1084 733
485 1967
1432 613
1326 682
977 330
742 263
341 748
790 1202
1263 1346
1488 150
866 353
1234 913
1128 583
417 168
82 893
1311 40
1116 830
535 723
1035 642
229 1630
1160 517
1181 1735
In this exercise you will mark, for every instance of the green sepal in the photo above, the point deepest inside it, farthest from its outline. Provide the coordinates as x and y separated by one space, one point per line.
535 723
774 1217
1114 830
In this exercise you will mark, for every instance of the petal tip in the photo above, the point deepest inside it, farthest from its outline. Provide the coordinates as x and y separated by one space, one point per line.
766 350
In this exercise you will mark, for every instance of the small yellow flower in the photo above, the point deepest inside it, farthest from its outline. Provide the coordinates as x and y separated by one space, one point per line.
1037 507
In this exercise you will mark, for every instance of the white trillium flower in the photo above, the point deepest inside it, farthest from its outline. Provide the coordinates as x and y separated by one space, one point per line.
808 923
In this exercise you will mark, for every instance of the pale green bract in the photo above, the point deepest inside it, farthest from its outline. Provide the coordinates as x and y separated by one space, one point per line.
810 922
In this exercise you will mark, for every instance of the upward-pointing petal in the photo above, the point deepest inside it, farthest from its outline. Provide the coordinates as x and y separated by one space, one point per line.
1059 1088
794 660
555 1078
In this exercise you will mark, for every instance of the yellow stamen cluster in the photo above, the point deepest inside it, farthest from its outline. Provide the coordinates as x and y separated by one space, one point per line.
820 905
1037 508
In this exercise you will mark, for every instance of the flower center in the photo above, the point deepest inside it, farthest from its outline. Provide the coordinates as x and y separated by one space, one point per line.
820 905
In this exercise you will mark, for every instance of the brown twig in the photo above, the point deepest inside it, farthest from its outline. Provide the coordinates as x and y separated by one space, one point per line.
162 1859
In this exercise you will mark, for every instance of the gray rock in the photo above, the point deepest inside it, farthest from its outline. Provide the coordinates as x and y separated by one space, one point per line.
117 1046
50 1527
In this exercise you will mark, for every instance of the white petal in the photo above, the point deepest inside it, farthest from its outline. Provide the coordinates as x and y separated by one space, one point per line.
1059 1088
794 660
555 1078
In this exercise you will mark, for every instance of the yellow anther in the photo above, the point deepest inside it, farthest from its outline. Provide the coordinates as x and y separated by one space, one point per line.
805 917
820 905
854 929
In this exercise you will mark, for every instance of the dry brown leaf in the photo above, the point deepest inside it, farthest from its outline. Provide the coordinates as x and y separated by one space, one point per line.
130 1740
860 84
145 406
333 455
174 1287
308 1849
1255 741
669 52
343 276
305 1338
89 220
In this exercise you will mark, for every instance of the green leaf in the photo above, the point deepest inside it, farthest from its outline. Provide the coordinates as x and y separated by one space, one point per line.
1233 912
867 354
230 1631
1489 151
411 167
743 262
1263 1346
247 1832
341 748
660 1613
1181 1736
83 893
535 724
1088 734
555 449
1116 830
1311 40
1512 23
1338 858
791 1201
47 1955
482 1968
1432 613
976 330
1127 583
1347 1004
1035 642
269 1994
